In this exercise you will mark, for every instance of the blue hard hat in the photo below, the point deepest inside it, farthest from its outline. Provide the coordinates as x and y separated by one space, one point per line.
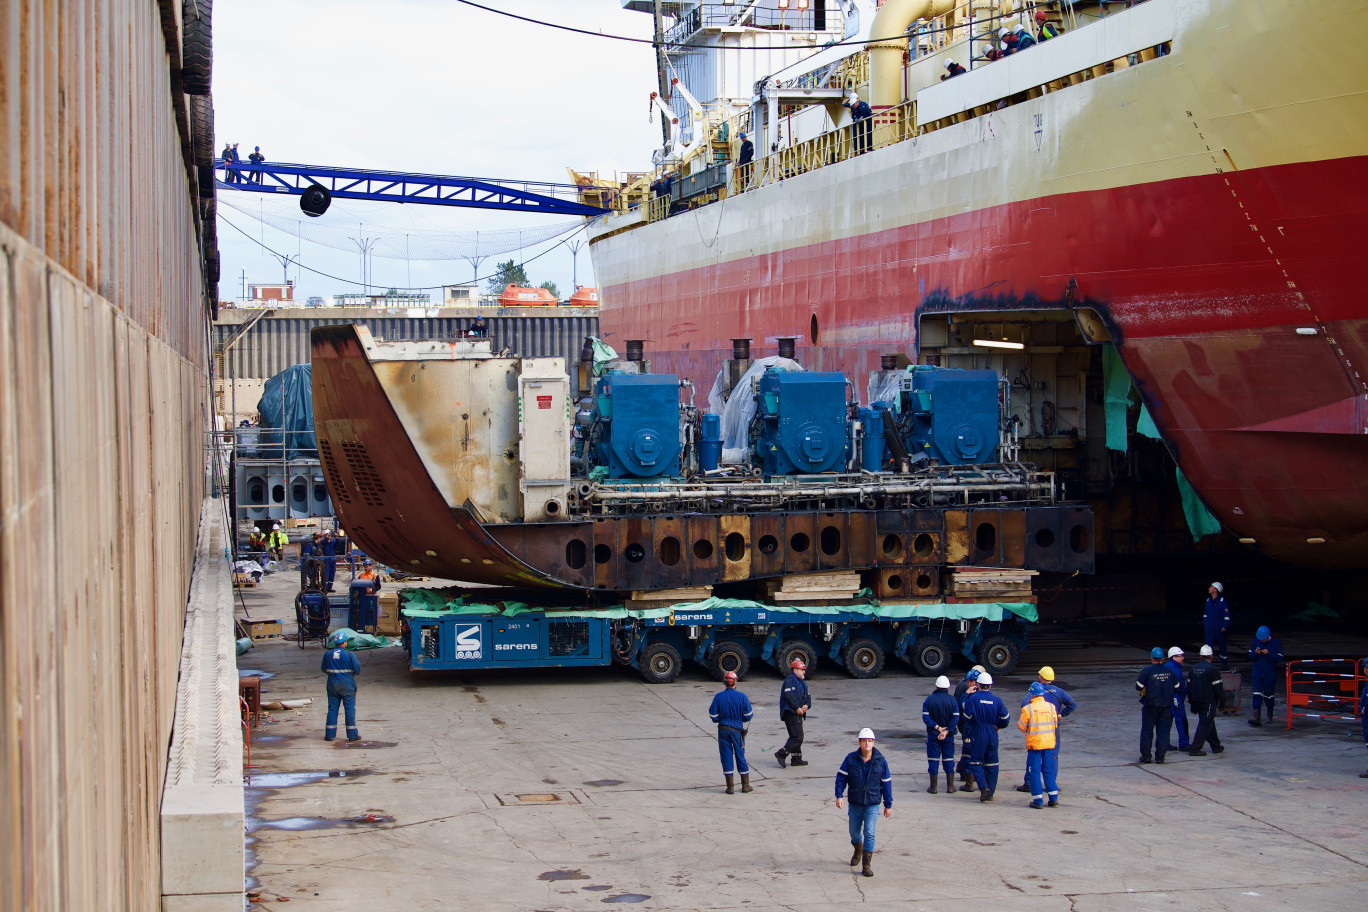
971 676
1037 689
1156 653
1263 633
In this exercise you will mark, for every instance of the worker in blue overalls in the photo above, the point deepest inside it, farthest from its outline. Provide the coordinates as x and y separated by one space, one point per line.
1266 654
967 686
1063 704
941 714
1178 709
1156 685
1363 714
986 713
1216 621
731 711
341 667
329 550
794 702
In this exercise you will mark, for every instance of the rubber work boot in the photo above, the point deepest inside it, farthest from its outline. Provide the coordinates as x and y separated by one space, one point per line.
731 785
782 756
986 795
1363 775
1144 758
859 851
1024 788
1255 721
935 779
1270 710
798 760
866 870
968 781
1197 752
745 783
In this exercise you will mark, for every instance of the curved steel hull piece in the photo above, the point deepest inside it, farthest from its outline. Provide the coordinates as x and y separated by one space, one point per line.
383 493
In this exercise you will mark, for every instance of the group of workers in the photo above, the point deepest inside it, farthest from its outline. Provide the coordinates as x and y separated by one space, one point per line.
233 160
1012 39
273 544
977 714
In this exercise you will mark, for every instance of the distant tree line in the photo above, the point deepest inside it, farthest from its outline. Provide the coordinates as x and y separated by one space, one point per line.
511 273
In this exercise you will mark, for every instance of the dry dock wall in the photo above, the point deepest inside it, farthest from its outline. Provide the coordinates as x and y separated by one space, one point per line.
103 390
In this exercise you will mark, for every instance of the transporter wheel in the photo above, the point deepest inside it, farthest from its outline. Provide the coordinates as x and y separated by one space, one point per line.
999 654
864 658
197 46
930 656
795 649
728 656
660 663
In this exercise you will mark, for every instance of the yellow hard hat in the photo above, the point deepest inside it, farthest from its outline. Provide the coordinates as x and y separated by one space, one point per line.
1046 673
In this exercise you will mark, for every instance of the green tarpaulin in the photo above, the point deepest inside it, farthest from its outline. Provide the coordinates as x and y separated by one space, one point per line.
1116 384
1199 519
351 640
603 353
1145 424
427 603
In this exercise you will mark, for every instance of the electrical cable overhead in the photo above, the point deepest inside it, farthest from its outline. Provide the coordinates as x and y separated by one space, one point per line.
408 243
671 44
327 275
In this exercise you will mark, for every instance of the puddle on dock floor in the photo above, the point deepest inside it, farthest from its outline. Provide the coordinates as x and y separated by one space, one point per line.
626 898
565 874
285 780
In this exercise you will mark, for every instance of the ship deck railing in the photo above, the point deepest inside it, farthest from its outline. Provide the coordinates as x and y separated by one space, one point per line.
891 125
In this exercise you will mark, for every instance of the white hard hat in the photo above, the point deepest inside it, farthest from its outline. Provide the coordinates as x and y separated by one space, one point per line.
1218 587
942 683
949 63
866 733
276 526
1019 28
1004 32
985 679
1205 650
1175 651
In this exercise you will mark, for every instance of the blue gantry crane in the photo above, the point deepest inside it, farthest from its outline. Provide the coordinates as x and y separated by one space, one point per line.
317 186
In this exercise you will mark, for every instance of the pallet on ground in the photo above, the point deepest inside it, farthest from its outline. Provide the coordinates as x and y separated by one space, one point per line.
244 581
265 630
312 521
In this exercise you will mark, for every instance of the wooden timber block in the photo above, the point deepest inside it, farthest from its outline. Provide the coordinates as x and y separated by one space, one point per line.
818 582
815 595
244 581
265 630
686 594
301 523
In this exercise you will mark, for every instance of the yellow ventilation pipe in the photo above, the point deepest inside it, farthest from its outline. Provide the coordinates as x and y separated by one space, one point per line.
886 56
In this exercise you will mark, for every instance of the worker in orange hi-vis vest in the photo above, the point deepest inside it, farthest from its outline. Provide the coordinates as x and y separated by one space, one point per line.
1040 722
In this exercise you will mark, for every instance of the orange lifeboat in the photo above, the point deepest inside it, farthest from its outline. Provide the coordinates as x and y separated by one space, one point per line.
584 297
518 296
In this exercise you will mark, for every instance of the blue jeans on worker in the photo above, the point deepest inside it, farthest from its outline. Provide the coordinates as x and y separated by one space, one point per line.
344 697
731 745
1180 722
1042 765
863 817
942 753
983 759
1216 639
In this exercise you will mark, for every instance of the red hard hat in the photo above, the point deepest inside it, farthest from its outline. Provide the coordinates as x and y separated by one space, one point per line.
1040 16
797 663
729 678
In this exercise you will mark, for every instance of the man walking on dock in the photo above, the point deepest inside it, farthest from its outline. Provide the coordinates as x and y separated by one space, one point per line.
793 706
865 772
1206 693
731 711
341 667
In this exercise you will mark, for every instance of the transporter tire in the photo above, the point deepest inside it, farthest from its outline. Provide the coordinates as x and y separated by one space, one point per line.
795 649
930 656
726 656
202 129
197 46
864 658
999 654
660 663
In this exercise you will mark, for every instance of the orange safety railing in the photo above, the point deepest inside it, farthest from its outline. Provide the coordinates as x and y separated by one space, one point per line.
1324 689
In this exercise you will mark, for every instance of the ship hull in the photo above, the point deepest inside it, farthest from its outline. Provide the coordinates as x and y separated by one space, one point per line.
1207 210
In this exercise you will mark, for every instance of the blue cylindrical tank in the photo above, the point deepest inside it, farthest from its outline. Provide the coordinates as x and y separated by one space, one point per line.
710 448
873 445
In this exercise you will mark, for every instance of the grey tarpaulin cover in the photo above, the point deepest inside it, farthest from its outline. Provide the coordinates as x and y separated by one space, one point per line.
287 404
739 409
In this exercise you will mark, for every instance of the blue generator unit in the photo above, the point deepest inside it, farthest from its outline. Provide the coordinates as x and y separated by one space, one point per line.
803 422
638 417
953 414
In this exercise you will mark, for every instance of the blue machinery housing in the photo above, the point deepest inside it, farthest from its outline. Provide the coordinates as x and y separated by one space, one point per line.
720 635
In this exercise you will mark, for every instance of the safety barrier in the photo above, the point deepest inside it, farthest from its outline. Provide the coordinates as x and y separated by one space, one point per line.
1324 689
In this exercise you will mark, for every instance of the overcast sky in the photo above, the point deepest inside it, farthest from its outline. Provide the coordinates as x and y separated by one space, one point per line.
431 86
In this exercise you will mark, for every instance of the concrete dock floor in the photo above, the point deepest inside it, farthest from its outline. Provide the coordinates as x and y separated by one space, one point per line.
571 789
